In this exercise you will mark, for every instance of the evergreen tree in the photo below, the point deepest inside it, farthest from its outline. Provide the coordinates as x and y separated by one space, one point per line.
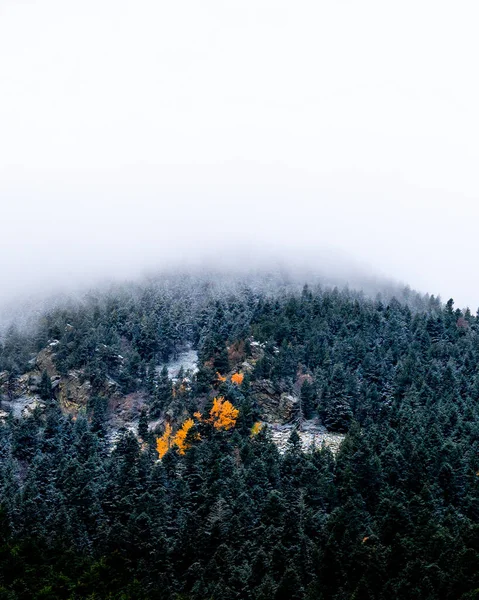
336 409
143 425
45 388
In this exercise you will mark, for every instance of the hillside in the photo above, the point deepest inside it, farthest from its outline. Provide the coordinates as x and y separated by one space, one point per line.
313 443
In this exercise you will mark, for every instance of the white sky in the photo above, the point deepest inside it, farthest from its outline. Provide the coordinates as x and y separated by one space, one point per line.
131 132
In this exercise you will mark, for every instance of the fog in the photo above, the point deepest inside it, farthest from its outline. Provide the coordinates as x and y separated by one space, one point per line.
141 135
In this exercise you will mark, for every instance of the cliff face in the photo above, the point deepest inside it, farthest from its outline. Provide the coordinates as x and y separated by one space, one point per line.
72 391
277 406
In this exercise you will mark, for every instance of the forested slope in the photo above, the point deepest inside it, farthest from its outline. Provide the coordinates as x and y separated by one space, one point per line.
225 515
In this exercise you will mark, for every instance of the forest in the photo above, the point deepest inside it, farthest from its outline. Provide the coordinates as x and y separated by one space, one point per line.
199 503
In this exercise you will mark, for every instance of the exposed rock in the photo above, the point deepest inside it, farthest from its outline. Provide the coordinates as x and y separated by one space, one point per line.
257 350
10 387
33 383
16 406
277 406
73 391
5 387
125 410
15 386
45 362
246 367
124 414
286 407
110 387
3 415
56 379
32 407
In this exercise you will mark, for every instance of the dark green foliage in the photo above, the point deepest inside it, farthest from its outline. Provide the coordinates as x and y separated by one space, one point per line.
393 515
308 399
98 409
45 389
336 408
143 425
162 394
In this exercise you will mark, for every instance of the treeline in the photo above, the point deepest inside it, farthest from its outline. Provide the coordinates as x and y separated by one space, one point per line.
394 515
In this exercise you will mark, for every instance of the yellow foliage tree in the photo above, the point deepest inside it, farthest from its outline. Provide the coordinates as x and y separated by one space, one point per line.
180 437
163 443
220 377
223 415
237 378
257 427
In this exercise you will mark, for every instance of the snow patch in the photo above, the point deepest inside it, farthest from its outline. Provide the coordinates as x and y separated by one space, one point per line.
311 436
187 359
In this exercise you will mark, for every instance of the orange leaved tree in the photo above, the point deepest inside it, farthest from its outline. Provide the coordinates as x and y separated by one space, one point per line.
237 378
223 415
180 437
163 443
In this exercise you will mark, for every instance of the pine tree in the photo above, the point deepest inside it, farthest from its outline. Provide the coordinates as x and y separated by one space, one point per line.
163 394
335 403
143 425
45 388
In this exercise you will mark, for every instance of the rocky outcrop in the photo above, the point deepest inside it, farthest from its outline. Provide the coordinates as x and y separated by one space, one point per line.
29 409
3 378
45 360
72 391
276 405
12 387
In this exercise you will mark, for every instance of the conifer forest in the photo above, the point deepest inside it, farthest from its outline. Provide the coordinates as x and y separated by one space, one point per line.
124 478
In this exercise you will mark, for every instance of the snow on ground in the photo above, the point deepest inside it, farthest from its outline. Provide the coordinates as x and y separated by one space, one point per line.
17 405
311 435
187 359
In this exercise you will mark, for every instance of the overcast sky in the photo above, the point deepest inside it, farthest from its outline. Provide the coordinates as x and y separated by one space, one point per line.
134 132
